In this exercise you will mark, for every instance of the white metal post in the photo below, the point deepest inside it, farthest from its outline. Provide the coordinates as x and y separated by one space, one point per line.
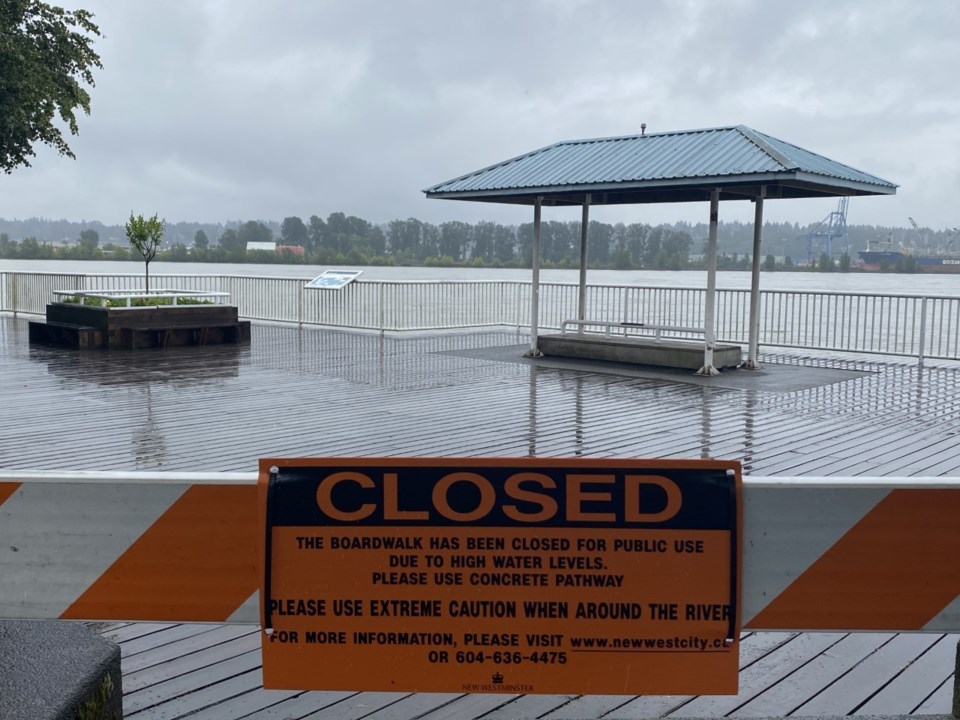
923 331
754 336
582 299
709 329
534 351
380 309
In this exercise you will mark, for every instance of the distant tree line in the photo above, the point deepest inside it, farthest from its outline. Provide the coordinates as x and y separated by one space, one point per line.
341 239
348 240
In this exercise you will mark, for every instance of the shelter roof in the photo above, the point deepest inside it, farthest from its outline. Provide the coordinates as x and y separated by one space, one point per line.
663 167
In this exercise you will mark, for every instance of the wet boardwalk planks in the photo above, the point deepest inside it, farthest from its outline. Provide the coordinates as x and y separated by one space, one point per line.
210 671
316 392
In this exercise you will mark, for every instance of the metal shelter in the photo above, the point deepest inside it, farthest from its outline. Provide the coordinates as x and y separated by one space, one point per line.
727 163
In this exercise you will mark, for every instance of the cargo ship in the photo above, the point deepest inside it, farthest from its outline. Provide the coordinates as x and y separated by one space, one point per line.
875 260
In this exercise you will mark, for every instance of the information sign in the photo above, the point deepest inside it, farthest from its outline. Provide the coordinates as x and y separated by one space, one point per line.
525 575
334 279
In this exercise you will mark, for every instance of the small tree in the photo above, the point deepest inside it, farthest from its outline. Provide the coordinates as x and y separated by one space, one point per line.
145 234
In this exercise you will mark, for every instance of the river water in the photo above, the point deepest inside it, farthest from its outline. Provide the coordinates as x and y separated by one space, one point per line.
872 283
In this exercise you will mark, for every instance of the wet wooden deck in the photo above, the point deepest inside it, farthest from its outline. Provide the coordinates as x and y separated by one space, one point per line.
317 392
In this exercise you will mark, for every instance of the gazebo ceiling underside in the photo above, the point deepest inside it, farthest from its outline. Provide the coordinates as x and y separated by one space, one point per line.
663 168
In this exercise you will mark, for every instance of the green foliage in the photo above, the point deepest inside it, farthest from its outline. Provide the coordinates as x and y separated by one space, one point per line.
94 706
294 232
769 263
200 240
230 241
253 231
144 235
134 302
46 58
826 263
845 263
89 239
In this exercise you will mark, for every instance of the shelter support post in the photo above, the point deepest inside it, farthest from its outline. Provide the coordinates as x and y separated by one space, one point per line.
754 337
709 329
582 297
534 351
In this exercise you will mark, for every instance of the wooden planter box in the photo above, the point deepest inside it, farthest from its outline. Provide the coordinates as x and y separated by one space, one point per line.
130 328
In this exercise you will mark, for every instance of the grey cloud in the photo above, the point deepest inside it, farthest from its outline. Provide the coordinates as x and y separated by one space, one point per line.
214 110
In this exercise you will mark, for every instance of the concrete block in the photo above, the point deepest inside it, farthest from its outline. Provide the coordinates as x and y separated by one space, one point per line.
58 671
639 351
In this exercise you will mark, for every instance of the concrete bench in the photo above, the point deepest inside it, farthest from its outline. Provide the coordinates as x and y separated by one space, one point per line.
621 347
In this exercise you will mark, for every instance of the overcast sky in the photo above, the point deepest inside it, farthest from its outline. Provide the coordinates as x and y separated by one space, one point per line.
215 110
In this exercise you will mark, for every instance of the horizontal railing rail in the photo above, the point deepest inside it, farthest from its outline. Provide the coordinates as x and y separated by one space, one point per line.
128 297
923 327
625 329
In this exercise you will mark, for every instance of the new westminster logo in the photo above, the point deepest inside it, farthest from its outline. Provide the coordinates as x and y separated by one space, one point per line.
497 684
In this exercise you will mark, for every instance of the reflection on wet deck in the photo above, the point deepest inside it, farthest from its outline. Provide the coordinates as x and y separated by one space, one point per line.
318 392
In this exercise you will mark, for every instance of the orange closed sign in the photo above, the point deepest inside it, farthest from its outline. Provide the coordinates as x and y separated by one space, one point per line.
506 575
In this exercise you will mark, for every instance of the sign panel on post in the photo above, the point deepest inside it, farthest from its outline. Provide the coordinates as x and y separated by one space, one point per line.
334 279
501 575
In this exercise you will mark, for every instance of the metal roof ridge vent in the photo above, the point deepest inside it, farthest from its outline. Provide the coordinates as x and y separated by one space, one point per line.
758 139
645 136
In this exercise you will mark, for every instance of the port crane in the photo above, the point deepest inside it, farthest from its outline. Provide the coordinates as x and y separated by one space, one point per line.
920 233
832 227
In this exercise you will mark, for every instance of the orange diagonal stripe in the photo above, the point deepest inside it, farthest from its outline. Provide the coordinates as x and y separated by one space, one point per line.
896 569
198 561
6 490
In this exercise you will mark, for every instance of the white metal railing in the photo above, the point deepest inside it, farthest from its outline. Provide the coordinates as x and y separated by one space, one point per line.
628 329
899 325
127 297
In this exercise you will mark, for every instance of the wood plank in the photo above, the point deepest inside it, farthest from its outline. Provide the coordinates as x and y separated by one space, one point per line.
589 706
414 706
939 702
911 687
203 658
191 684
797 688
211 694
766 672
172 651
245 704
301 705
847 693
132 631
359 706
753 647
163 637
468 706
529 706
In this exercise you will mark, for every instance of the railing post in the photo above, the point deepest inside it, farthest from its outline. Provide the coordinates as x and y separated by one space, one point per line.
923 329
380 302
13 293
300 290
516 304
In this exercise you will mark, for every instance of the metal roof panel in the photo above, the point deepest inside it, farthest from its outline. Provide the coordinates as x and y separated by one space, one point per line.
663 158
